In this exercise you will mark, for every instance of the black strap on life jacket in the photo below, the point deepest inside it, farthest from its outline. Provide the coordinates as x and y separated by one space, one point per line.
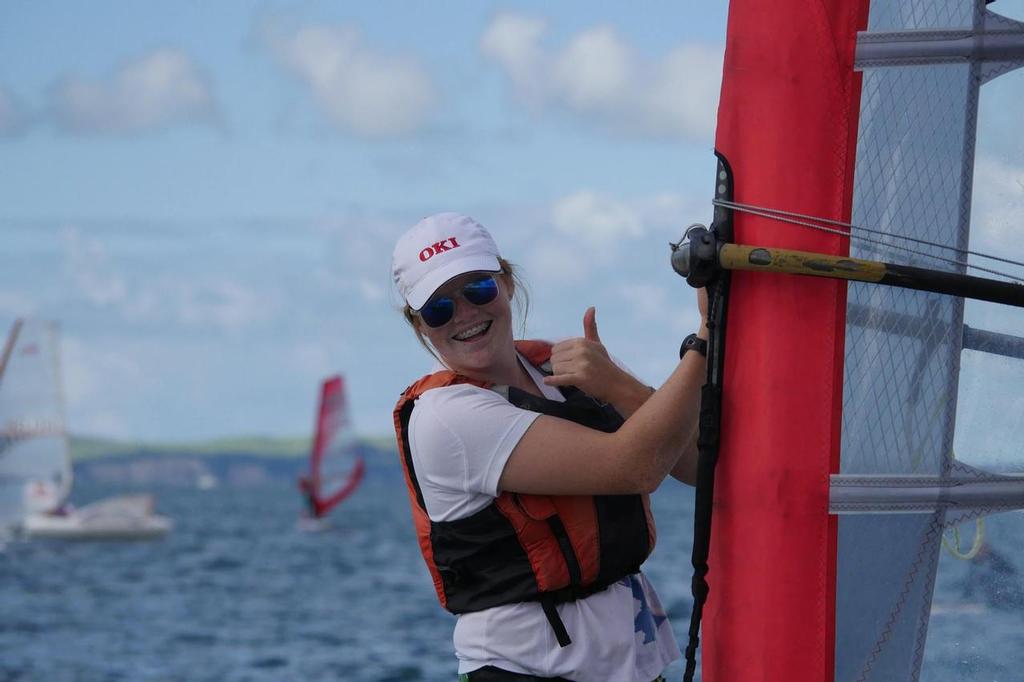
582 409
547 603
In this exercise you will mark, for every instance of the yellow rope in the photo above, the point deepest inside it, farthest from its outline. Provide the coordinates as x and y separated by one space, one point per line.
979 540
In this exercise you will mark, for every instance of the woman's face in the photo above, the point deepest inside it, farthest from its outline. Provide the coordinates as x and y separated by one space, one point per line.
478 337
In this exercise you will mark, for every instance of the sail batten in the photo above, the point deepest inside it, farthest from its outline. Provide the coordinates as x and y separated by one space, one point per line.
923 494
998 39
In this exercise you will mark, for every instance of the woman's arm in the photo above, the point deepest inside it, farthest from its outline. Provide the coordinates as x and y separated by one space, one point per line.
685 469
559 457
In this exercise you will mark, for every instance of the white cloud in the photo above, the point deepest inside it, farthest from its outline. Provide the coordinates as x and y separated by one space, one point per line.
15 304
672 305
359 89
91 374
513 41
13 118
600 76
357 257
681 98
211 300
647 301
311 358
593 71
371 291
670 213
220 302
158 90
557 261
591 231
598 219
88 265
595 219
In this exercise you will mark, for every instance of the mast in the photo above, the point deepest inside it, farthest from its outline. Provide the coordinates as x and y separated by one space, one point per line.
791 62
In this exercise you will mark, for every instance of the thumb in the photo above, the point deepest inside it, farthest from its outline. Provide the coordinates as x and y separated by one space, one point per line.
590 325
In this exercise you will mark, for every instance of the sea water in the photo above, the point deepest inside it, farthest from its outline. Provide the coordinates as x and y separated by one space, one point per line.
238 593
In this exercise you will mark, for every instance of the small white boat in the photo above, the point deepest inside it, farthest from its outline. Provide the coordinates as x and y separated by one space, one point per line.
35 457
127 517
206 482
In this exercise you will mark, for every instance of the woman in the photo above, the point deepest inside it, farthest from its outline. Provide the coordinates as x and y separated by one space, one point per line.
528 467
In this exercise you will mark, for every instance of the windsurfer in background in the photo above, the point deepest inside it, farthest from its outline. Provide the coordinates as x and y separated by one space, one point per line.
529 466
312 508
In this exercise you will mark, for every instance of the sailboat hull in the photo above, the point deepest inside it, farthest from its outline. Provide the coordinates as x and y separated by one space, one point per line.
122 518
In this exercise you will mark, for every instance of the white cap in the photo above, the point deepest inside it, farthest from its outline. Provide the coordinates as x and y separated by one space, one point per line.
438 248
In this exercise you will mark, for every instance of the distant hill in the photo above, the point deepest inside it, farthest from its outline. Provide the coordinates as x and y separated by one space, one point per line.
85 448
247 460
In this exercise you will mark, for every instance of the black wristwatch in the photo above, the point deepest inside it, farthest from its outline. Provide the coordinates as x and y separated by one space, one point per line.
693 342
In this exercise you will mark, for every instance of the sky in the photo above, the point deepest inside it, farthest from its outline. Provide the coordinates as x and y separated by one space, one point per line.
205 195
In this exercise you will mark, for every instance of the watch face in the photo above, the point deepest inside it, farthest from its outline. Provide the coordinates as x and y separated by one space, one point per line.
691 342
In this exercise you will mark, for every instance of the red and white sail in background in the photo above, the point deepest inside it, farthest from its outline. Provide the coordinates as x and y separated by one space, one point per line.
336 466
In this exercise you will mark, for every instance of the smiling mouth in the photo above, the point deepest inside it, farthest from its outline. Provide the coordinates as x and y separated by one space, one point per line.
473 332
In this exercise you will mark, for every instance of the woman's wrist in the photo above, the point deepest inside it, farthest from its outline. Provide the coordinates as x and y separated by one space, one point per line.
630 395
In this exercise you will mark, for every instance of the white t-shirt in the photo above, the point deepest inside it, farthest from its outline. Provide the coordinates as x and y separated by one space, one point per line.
460 438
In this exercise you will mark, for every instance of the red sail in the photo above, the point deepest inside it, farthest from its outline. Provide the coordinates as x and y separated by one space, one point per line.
787 124
335 466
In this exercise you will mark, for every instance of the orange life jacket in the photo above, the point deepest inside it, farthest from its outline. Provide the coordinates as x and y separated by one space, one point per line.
546 548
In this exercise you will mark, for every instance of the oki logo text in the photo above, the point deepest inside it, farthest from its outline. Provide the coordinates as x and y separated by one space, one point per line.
438 247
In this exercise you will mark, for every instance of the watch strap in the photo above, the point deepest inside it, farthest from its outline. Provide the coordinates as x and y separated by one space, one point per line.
693 342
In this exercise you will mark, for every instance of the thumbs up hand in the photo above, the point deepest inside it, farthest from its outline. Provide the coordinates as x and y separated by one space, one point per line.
590 325
584 363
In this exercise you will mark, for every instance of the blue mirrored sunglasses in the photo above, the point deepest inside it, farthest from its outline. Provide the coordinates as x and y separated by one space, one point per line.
439 310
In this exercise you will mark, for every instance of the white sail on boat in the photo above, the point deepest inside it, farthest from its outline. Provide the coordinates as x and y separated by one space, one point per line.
35 457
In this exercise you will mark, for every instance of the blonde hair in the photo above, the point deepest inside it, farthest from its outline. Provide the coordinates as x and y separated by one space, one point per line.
520 301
